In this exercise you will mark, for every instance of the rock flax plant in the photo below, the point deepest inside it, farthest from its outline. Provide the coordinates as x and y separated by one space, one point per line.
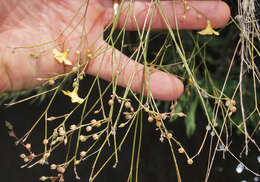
219 92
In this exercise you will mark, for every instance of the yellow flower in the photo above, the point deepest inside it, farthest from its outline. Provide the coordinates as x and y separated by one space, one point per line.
190 80
61 57
74 96
208 30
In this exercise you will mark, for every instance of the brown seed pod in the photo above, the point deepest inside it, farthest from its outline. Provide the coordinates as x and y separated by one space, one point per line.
45 141
28 146
233 109
181 150
82 138
158 117
22 156
98 124
61 169
190 161
158 124
110 102
88 128
83 154
73 127
150 119
95 136
128 105
169 135
51 82
53 167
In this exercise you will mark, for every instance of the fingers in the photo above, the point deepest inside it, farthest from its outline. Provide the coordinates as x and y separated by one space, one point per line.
217 12
162 86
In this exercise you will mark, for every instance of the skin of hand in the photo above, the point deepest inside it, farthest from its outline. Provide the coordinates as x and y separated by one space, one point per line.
24 23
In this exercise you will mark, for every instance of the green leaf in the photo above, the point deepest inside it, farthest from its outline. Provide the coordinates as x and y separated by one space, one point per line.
191 116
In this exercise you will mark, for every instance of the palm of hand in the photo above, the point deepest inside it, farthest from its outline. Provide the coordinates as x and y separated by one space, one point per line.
32 22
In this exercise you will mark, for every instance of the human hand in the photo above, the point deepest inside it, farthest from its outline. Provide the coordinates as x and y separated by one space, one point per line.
30 22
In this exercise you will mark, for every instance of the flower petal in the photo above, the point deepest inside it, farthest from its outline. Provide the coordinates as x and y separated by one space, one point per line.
77 99
74 96
208 30
61 57
67 62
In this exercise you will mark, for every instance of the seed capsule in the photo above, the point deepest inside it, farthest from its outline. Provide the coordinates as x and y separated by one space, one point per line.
82 138
95 136
169 135
83 154
53 167
28 146
158 124
128 104
61 169
233 109
150 119
22 156
62 131
51 82
158 117
190 161
73 127
98 124
93 122
181 150
233 102
45 141
88 128
110 102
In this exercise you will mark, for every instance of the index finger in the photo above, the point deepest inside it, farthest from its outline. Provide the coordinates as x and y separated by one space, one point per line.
137 12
